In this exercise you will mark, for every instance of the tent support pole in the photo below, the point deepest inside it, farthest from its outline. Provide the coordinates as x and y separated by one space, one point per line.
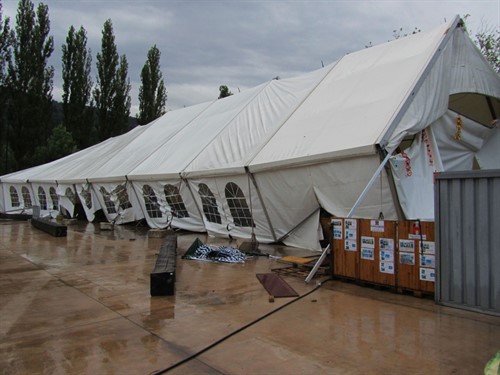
369 185
318 264
298 225
259 195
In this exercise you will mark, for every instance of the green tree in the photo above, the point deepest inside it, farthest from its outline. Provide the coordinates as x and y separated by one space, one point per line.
59 144
489 45
152 93
30 82
224 92
120 109
488 42
396 34
111 93
6 39
77 86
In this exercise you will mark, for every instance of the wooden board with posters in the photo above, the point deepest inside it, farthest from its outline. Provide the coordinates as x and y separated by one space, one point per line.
377 251
416 256
345 248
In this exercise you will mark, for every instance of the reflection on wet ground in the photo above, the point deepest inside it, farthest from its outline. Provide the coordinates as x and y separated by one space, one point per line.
81 305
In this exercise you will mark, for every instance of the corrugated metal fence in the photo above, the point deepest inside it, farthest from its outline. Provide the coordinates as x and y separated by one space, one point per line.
468 240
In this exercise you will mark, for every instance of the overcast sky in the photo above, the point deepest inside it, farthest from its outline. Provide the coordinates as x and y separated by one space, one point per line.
207 43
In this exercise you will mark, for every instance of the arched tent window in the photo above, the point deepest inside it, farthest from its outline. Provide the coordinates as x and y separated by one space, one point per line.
110 206
70 195
238 206
151 202
209 204
14 197
122 194
42 197
54 198
175 201
87 196
26 197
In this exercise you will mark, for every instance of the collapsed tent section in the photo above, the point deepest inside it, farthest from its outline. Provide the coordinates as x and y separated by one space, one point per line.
361 137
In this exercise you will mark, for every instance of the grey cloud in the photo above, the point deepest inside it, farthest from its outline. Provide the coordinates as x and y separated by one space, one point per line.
205 43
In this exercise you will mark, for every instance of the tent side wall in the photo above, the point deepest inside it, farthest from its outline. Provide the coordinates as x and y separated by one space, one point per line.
88 197
18 198
168 202
231 207
67 198
293 197
118 200
2 199
45 196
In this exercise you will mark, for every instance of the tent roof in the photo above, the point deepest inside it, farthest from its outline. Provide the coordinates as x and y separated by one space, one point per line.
354 105
342 110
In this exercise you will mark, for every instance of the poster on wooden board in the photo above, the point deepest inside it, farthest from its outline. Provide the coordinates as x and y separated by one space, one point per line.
377 262
345 248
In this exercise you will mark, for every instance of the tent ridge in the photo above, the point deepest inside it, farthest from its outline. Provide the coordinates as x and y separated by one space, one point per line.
401 110
266 141
171 136
226 125
316 159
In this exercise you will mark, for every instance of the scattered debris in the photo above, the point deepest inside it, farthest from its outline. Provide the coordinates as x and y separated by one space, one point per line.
224 254
162 279
276 286
106 226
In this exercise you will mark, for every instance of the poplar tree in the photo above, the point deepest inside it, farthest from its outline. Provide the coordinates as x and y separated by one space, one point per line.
120 109
111 93
224 92
77 86
6 38
152 93
30 82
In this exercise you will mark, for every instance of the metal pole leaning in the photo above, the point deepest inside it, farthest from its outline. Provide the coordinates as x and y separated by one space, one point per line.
317 265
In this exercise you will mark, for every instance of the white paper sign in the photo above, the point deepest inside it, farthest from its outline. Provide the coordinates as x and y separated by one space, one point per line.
350 234
386 255
367 254
368 242
387 267
427 274
407 258
377 225
350 223
407 246
428 261
350 245
428 247
386 244
337 229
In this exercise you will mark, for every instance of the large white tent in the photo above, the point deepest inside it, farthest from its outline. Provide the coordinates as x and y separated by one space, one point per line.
360 137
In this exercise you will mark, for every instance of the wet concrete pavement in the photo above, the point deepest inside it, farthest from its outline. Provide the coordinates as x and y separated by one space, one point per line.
81 305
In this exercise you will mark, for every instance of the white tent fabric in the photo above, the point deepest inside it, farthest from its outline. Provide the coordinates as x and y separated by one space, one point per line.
413 174
263 162
459 154
488 156
2 199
